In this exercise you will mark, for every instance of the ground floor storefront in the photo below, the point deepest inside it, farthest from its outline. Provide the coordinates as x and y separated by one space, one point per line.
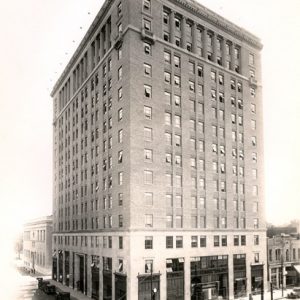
287 275
196 278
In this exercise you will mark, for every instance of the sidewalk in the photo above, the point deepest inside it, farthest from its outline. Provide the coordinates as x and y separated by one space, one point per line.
75 295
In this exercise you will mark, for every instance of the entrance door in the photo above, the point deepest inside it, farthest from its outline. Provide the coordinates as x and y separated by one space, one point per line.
81 273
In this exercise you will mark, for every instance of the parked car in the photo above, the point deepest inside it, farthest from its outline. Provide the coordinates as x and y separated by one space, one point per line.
50 289
63 296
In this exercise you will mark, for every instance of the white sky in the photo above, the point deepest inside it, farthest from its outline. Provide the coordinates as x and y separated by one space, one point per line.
36 35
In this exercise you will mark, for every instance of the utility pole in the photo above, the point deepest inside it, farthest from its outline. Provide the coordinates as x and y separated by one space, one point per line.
151 281
271 286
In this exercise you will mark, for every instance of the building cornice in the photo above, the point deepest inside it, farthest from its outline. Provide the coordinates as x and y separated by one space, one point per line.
215 19
86 39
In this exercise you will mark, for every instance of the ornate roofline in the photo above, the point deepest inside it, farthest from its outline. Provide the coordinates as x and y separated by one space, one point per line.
99 17
201 11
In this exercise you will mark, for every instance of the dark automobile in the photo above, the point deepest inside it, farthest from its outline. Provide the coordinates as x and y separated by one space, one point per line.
63 296
49 289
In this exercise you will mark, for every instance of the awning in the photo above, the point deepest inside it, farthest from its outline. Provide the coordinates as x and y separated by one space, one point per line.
297 268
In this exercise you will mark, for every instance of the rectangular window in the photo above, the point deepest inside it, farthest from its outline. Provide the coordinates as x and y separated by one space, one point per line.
179 242
147 134
167 77
148 197
148 220
147 70
256 240
168 98
194 241
169 221
147 48
236 240
176 61
147 91
202 241
148 177
120 221
148 112
167 57
148 242
148 154
179 222
216 240
243 240
224 240
169 242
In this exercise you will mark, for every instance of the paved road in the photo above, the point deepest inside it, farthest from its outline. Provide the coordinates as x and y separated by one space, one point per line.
28 289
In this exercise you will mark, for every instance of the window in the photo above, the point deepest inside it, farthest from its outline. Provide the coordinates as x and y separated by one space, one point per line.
177 100
147 48
194 221
216 241
167 77
146 24
148 242
255 223
168 119
200 71
148 112
147 70
169 200
202 222
236 240
120 114
147 134
178 201
256 257
120 156
251 59
177 80
148 155
167 57
120 178
148 220
201 183
169 179
120 199
178 181
177 140
120 94
252 92
177 23
120 136
194 241
254 190
120 9
168 138
213 76
176 61
147 91
148 198
202 241
148 177
120 73
147 5
224 240
169 221
169 242
256 240
177 121
221 79
179 241
120 221
168 98
192 86
178 221
191 67
166 18
148 266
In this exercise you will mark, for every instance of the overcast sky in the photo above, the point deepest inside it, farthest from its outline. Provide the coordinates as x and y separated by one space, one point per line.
38 38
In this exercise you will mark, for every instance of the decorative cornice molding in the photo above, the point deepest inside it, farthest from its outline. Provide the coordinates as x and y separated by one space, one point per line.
219 21
86 39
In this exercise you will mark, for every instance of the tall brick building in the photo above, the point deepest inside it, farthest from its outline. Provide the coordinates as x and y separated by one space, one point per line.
158 156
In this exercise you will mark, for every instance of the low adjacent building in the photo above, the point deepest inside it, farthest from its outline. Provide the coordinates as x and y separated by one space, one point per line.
37 245
284 260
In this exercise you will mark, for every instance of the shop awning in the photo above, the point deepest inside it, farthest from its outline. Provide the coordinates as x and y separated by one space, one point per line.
297 268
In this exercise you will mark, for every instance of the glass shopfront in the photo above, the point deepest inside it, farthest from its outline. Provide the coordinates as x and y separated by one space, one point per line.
209 277
240 280
95 276
107 278
146 281
257 278
120 286
175 278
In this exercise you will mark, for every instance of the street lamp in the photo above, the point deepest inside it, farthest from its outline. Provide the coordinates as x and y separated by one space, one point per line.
154 291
